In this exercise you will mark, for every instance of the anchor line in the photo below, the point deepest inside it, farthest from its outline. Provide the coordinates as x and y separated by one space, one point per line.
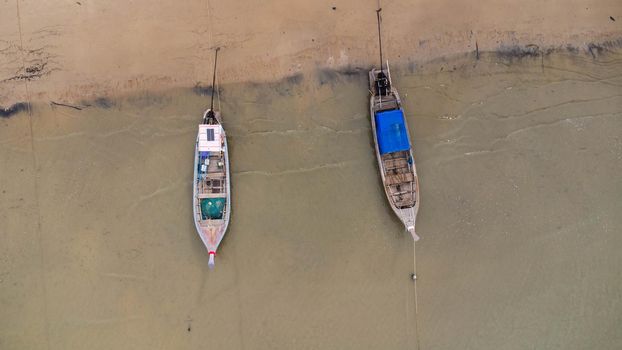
42 257
416 301
208 31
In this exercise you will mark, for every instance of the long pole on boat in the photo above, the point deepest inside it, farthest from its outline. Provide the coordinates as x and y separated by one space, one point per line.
379 34
214 79
210 114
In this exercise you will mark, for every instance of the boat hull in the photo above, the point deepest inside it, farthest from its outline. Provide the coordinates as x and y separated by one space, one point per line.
406 214
210 231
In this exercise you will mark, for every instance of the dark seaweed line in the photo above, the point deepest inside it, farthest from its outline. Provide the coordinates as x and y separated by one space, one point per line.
14 109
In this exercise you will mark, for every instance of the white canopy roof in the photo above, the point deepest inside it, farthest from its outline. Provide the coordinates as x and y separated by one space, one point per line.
210 138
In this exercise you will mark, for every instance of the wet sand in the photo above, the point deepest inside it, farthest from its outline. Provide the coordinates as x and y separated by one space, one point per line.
519 159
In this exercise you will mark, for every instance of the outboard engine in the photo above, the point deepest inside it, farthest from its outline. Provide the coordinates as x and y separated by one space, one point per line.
383 86
210 117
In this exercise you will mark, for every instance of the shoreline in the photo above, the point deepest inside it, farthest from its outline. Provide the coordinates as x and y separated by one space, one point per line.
101 96
87 49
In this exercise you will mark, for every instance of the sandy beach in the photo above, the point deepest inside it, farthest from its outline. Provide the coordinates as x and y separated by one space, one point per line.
69 50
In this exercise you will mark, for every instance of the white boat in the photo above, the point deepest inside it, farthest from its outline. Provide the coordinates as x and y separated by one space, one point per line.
393 146
211 202
212 185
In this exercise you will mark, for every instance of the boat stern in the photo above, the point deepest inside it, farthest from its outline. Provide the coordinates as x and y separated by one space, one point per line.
212 255
411 230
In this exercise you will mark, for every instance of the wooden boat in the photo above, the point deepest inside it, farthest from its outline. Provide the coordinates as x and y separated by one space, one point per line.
393 147
212 187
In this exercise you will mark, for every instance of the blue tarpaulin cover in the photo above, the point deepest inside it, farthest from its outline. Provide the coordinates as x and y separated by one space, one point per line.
391 131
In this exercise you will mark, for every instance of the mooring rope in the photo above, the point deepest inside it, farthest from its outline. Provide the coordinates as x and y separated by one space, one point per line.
209 22
23 58
210 39
42 257
416 301
208 31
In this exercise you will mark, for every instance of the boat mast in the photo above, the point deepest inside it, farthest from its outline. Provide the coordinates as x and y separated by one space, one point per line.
210 114
383 84
379 34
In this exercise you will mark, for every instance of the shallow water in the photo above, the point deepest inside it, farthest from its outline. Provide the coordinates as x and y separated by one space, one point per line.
519 163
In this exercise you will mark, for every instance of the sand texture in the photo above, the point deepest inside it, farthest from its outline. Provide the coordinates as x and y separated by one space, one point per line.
69 50
519 163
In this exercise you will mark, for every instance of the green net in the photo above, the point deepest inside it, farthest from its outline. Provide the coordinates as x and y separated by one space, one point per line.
212 208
